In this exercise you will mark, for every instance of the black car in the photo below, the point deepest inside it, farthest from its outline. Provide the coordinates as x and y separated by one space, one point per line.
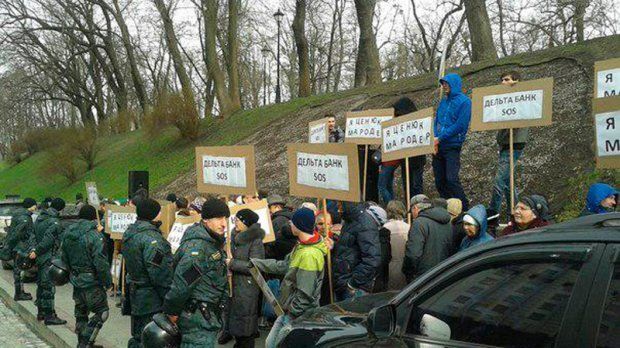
557 286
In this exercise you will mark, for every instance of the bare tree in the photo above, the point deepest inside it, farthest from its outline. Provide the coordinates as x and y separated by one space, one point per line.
482 45
299 31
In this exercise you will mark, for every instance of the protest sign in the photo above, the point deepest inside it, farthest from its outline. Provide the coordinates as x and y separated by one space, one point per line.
318 131
117 220
607 78
364 127
226 169
324 171
180 225
408 135
167 216
526 104
607 124
264 218
93 195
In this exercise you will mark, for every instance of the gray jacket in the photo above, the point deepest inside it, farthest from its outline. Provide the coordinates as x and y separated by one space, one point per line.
519 136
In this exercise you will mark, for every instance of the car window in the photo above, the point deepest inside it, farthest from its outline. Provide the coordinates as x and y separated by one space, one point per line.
510 305
609 330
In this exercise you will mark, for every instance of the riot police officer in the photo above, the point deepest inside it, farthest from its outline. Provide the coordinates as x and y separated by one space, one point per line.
82 251
199 287
148 260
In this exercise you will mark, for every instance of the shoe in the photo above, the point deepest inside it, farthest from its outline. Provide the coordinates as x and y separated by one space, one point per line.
22 296
40 317
224 337
54 320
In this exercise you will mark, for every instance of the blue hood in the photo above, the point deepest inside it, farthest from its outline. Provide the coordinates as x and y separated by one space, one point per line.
596 194
479 213
453 114
455 83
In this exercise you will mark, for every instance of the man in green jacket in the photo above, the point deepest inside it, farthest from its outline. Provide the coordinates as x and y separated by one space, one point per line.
83 252
18 234
198 290
303 271
44 243
148 260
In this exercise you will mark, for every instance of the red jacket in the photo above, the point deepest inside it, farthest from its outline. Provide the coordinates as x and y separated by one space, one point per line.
514 228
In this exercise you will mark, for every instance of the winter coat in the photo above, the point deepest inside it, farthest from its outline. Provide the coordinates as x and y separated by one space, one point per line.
479 214
358 253
596 194
82 251
148 260
513 228
285 240
18 233
45 240
303 271
243 310
453 114
429 242
383 272
399 232
337 135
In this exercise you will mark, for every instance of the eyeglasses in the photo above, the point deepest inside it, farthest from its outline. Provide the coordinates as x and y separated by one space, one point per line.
506 79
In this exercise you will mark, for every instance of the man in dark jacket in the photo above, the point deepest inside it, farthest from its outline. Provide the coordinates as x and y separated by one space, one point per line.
358 253
281 221
148 260
451 124
44 242
82 250
18 234
430 238
199 286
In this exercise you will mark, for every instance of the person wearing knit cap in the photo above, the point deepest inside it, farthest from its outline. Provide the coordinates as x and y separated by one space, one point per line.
148 260
530 212
475 225
455 209
17 234
45 241
303 270
419 203
281 221
200 277
171 197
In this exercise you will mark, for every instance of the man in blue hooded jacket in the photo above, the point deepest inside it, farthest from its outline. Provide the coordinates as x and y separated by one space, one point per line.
602 198
450 128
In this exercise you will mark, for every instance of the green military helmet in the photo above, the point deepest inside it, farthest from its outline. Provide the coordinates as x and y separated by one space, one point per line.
58 272
23 261
161 333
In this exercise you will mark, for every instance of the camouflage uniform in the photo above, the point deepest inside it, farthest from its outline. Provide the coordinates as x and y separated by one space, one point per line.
199 287
45 241
82 251
148 261
18 234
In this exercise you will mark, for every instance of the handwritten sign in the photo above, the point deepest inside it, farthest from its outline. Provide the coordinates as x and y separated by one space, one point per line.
261 208
180 225
607 78
324 171
118 219
364 127
526 104
408 135
607 124
226 169
318 132
93 195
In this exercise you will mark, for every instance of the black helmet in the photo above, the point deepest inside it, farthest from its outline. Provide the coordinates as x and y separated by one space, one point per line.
161 333
23 262
376 156
58 272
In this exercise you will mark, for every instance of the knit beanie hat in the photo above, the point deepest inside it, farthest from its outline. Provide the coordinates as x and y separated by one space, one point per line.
247 216
214 208
28 203
422 201
455 206
58 204
147 209
378 214
171 197
538 204
303 219
87 212
470 220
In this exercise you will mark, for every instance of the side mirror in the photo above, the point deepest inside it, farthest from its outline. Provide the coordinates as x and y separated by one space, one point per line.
434 328
381 321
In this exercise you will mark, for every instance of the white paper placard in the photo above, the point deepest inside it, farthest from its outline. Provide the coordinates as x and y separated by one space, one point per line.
323 171
225 171
517 106
263 220
608 83
176 234
318 134
365 127
120 221
93 195
407 135
608 133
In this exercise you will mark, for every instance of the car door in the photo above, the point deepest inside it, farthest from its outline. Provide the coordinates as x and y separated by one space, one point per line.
519 296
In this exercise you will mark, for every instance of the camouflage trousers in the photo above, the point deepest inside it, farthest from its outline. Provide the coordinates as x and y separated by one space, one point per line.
138 322
196 331
45 290
17 276
91 300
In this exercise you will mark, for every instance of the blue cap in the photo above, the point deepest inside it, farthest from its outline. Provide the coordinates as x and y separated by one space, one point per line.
303 219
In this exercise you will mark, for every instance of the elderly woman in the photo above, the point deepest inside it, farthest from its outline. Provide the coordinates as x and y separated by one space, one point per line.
475 226
530 212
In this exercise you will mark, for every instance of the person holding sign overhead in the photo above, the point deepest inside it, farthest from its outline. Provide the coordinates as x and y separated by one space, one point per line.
450 128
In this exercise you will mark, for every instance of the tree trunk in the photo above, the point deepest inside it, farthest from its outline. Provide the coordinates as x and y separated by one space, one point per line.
299 31
233 55
580 12
482 45
367 65
173 49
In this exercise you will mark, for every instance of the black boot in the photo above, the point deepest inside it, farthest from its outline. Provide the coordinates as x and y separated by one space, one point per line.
20 294
40 317
224 337
53 319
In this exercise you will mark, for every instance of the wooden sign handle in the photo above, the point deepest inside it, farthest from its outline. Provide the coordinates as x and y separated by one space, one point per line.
365 173
512 175
408 190
329 255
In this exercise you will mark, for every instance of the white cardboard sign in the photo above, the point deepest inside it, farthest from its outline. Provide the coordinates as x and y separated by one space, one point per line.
517 106
368 127
261 208
407 135
608 83
120 221
608 133
318 134
93 195
176 234
224 171
323 171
